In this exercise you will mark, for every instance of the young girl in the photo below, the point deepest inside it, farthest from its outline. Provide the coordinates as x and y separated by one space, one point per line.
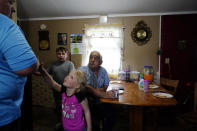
74 102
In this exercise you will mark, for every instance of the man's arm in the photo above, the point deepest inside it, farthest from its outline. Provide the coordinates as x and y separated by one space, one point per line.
104 88
29 70
37 73
100 92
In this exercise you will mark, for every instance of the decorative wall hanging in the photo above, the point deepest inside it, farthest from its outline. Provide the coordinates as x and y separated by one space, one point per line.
76 45
76 38
62 38
141 33
43 27
44 40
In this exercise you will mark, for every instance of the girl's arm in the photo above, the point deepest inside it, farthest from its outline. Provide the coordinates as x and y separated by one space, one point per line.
48 79
86 111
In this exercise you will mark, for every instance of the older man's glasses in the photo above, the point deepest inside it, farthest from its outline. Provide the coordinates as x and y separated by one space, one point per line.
94 57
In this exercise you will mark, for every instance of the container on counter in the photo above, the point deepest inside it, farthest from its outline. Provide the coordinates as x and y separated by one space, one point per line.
141 82
122 75
148 73
134 75
128 70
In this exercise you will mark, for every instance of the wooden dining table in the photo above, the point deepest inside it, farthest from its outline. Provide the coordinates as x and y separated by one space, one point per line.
137 100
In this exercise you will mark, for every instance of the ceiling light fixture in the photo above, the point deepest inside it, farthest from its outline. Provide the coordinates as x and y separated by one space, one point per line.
103 19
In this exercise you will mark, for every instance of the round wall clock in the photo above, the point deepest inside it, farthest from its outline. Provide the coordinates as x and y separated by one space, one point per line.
141 34
44 45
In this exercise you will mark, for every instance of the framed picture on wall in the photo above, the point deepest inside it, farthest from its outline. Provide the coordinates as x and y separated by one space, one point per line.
62 38
76 45
76 38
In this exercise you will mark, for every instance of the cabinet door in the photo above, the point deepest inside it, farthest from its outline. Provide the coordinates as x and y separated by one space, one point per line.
178 43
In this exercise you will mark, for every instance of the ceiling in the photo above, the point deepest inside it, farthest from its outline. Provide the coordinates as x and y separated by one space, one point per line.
56 9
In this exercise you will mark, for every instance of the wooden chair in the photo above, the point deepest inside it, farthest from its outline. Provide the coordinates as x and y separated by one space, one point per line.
169 84
189 120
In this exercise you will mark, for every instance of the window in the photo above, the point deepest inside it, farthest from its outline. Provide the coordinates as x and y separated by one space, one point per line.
108 40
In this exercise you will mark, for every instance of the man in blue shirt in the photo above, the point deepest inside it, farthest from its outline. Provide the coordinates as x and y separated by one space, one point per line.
98 82
97 77
17 60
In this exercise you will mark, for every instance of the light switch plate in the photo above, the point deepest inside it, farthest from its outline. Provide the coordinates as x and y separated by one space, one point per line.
167 60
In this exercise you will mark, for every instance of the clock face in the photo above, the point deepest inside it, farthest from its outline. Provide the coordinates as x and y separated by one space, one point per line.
141 34
44 44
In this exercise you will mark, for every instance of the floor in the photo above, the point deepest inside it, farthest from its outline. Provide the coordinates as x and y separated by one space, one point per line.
44 119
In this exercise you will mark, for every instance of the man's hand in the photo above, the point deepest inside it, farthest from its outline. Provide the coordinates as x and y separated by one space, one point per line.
111 94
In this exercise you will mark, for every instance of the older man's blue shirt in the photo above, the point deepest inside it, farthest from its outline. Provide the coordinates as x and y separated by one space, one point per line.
96 81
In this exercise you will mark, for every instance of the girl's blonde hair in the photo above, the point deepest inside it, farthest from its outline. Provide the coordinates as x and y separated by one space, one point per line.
80 78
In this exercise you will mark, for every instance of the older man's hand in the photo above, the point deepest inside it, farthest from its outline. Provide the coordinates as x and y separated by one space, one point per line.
111 94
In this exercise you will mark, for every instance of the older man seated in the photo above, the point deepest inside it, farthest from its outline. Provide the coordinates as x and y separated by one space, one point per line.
98 82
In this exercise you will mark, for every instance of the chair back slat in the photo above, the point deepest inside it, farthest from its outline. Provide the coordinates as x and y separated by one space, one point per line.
165 82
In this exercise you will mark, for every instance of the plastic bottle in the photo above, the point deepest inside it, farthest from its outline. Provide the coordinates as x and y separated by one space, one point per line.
145 85
128 74
141 82
122 75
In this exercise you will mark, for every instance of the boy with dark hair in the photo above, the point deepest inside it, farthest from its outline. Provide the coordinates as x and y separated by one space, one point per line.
59 69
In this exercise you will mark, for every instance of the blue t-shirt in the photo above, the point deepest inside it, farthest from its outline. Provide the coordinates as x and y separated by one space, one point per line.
15 55
96 81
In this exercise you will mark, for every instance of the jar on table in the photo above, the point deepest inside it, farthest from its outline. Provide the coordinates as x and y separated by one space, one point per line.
148 73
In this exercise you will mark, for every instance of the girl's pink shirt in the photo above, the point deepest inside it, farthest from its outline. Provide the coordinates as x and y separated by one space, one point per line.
72 113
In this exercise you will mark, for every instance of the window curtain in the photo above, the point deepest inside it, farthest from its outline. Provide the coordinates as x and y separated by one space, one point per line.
108 40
